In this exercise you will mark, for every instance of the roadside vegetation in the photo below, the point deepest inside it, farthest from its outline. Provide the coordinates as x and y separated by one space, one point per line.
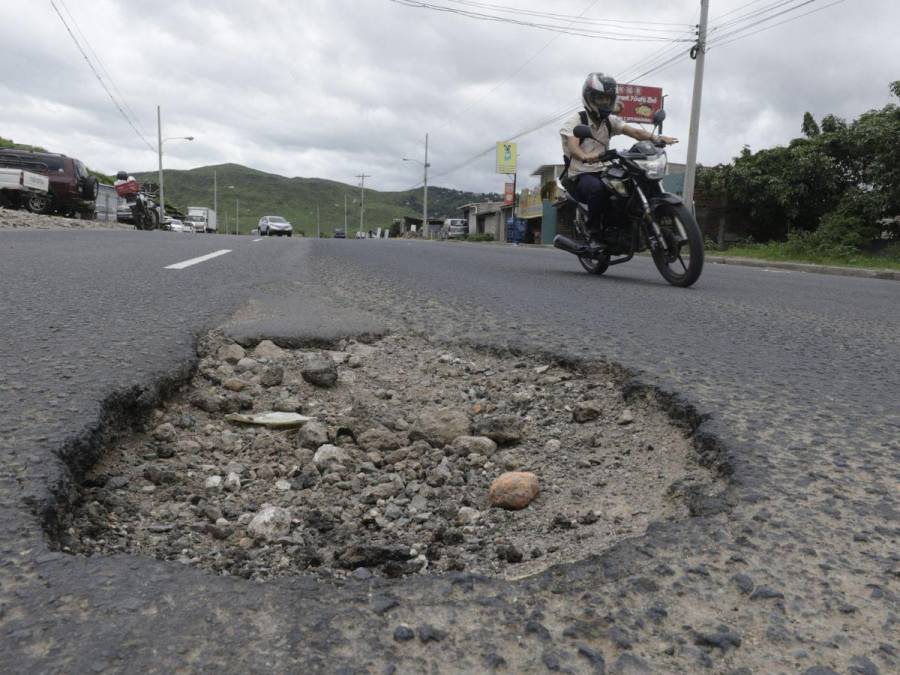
831 196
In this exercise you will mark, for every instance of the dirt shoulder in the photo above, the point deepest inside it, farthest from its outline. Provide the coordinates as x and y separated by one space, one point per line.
12 219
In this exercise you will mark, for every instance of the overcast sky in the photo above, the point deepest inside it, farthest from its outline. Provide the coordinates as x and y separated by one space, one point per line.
334 88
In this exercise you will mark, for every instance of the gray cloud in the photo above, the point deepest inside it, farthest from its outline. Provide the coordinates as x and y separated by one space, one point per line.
332 87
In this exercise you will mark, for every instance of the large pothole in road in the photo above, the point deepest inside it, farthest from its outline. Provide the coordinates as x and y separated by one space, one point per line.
393 474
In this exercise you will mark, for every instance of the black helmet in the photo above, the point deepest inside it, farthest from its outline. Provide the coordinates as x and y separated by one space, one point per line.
122 175
599 96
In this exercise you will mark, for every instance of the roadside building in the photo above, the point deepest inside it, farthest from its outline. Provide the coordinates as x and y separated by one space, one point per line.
434 225
488 218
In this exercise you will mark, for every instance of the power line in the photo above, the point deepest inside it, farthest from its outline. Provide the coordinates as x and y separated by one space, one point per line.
564 17
633 36
99 78
719 43
518 70
99 61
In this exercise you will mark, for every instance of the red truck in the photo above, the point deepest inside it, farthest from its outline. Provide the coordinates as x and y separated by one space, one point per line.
72 189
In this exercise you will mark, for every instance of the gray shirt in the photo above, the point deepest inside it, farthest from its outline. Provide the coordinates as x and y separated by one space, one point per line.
599 141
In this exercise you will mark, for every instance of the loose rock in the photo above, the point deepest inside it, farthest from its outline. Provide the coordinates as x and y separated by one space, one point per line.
270 523
320 370
514 490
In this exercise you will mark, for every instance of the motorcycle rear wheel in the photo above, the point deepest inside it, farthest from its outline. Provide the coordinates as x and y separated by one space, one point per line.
683 265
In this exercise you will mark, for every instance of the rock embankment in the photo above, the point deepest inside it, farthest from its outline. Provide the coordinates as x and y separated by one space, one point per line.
14 219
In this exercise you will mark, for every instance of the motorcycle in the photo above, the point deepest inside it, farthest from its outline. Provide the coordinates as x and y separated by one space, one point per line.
141 201
639 215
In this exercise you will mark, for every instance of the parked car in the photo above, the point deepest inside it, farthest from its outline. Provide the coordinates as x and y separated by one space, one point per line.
270 226
123 212
72 189
339 233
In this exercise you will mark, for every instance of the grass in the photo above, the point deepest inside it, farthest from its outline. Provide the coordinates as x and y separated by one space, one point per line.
776 251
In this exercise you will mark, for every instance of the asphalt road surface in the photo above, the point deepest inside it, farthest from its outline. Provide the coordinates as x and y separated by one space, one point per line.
795 569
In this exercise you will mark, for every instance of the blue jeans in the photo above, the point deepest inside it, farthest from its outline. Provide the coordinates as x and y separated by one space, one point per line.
591 191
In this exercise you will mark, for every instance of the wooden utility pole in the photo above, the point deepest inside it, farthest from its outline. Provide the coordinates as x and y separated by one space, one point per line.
362 199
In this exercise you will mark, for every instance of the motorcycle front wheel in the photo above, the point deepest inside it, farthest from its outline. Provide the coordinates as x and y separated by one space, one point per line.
682 265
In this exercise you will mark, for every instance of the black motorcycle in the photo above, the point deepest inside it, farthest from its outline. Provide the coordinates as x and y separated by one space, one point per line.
639 215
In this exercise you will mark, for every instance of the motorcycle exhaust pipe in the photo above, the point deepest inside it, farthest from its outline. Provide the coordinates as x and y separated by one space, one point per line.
569 245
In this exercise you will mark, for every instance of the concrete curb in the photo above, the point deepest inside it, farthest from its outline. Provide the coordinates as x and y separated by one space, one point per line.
864 272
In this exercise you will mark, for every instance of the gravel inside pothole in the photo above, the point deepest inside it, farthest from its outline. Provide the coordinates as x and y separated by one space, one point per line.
393 474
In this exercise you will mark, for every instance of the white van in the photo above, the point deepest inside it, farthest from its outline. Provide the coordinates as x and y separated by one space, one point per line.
454 228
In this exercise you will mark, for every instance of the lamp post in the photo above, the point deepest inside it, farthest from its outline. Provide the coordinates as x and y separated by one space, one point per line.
237 213
159 147
425 166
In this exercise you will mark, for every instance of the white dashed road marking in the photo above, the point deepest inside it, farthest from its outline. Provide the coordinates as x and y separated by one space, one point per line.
256 240
194 261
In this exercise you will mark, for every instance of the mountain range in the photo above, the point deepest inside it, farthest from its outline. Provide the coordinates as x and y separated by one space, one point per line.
253 194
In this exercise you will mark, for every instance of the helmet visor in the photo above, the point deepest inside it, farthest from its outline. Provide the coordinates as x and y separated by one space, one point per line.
601 100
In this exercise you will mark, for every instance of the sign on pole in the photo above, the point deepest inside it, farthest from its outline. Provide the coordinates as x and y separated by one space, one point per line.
509 193
639 102
506 157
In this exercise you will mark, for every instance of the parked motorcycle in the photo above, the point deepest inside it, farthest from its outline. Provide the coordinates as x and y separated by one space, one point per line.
639 215
141 201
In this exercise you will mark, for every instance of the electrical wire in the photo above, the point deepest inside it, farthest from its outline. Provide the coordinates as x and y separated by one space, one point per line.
633 36
719 43
100 79
518 70
99 61
565 17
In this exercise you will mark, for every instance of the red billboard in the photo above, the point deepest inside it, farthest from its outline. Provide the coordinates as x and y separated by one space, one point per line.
509 194
639 102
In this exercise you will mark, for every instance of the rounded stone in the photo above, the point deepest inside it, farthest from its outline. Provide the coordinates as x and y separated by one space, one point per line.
514 490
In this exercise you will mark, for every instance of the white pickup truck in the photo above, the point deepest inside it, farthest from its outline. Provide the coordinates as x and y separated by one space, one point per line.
17 186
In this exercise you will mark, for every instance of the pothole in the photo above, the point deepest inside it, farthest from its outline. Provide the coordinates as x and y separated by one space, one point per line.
393 474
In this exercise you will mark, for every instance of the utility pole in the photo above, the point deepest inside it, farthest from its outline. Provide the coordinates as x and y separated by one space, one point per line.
216 196
162 198
237 215
318 231
425 196
345 213
699 54
362 199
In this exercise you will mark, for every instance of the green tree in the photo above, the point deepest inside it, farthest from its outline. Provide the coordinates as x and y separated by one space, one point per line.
810 128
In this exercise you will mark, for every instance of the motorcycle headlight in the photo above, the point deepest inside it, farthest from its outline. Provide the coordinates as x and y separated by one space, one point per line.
654 166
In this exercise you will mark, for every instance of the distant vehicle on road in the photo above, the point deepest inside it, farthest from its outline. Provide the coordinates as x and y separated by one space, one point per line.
201 218
270 226
18 186
454 228
176 225
339 233
72 189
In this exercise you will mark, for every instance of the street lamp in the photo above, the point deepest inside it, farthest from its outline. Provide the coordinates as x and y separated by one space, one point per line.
237 212
161 140
425 165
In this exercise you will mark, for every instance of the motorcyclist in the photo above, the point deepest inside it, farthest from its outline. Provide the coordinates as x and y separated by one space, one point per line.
599 95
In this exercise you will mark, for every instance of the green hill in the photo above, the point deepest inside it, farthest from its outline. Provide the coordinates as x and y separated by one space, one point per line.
296 199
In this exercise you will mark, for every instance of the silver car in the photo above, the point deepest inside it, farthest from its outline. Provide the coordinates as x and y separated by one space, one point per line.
270 226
